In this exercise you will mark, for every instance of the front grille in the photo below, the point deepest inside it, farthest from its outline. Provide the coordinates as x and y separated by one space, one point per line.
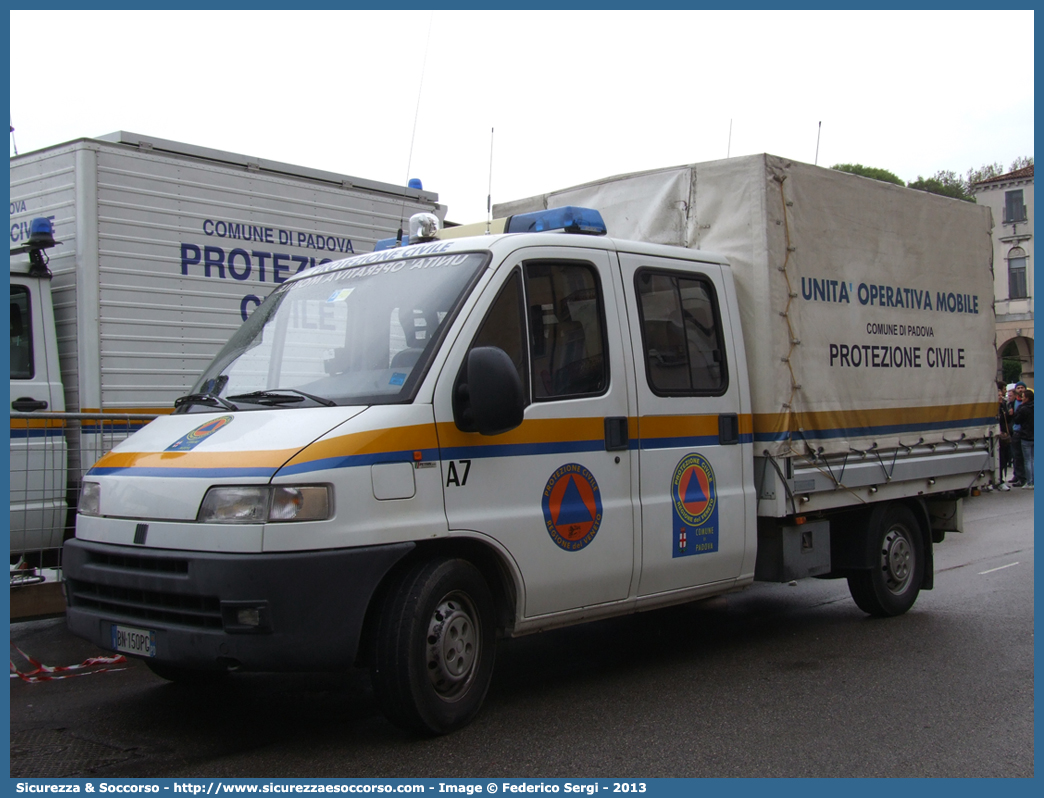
201 612
137 562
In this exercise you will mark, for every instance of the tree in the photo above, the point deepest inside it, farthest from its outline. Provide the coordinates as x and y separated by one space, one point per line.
869 171
991 170
945 183
1011 368
1011 362
984 172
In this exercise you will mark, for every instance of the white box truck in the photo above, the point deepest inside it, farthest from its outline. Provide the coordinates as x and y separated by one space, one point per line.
164 249
500 434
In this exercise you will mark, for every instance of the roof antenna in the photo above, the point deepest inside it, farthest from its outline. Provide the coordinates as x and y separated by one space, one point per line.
489 196
416 113
816 162
13 142
728 150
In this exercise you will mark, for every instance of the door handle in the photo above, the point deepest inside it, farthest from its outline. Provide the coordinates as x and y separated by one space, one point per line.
728 429
616 434
26 404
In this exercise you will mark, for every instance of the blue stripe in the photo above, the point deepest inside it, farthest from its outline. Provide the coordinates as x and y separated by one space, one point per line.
866 432
428 455
109 428
40 432
521 449
57 432
351 461
683 442
689 442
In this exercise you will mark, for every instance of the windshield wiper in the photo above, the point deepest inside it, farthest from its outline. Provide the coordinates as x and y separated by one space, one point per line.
281 396
210 399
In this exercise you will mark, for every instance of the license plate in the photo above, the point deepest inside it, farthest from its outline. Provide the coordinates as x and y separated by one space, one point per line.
129 640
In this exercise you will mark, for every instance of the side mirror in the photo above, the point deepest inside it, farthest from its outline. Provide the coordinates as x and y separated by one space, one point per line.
488 398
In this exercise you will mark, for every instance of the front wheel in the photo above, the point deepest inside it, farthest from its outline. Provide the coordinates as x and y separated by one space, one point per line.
890 587
434 647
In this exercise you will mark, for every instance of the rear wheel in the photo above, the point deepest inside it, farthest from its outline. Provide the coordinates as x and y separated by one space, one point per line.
435 647
891 585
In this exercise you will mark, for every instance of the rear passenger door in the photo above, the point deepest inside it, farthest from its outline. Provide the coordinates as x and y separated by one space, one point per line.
690 452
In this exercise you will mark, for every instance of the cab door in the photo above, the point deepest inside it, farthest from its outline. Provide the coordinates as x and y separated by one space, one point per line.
38 448
693 438
555 493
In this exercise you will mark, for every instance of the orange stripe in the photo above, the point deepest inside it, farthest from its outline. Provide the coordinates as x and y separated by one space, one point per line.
532 431
377 441
37 423
155 411
678 426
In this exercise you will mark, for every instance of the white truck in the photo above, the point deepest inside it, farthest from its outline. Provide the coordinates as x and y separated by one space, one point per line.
402 455
163 249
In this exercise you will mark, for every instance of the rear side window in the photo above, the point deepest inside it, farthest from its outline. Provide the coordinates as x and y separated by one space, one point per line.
681 334
21 334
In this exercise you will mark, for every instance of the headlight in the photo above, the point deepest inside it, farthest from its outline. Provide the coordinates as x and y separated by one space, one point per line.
255 504
310 503
90 499
241 505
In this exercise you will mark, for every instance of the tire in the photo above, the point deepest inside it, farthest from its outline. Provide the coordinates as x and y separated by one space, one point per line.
186 676
435 646
890 587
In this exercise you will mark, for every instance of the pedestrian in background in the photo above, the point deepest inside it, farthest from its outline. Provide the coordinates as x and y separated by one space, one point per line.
1024 419
1018 477
1004 444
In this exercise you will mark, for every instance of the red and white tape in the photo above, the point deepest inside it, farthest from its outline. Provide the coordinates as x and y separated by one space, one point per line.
47 673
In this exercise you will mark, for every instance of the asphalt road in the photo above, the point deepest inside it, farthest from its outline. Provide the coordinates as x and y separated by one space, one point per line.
776 681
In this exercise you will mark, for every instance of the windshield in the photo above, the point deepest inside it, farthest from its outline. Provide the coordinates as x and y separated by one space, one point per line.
356 335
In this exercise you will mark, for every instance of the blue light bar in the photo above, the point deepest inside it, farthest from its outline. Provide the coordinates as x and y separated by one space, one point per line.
570 219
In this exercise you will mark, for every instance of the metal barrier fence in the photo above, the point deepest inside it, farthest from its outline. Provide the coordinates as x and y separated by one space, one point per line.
50 454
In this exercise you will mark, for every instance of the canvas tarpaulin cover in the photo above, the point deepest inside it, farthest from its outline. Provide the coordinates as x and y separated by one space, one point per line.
867 308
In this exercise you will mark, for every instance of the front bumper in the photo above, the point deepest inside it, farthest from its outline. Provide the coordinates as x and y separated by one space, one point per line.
310 605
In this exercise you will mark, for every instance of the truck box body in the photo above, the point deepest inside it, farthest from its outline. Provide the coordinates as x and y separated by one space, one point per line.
866 308
165 248
163 251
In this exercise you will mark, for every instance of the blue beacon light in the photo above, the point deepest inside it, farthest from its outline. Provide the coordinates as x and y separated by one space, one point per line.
570 219
41 233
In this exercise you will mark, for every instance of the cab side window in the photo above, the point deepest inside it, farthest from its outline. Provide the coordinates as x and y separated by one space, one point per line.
566 330
504 327
681 334
21 334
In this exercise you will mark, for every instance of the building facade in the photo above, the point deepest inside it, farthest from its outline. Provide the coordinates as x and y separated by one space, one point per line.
1010 197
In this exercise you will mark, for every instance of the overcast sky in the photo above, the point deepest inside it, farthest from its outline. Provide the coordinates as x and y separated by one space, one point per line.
571 96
